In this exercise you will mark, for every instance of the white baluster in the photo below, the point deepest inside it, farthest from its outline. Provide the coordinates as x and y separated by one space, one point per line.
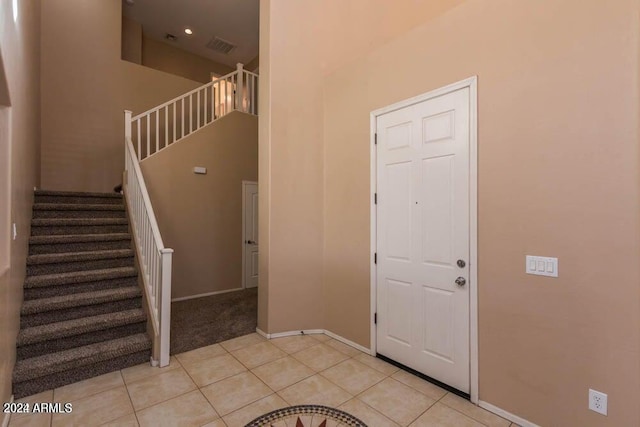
206 115
182 121
148 135
190 113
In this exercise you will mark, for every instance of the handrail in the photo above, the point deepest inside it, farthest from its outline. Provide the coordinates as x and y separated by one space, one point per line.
186 94
157 128
236 91
154 259
145 196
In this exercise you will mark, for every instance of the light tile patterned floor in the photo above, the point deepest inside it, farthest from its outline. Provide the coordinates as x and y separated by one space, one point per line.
231 383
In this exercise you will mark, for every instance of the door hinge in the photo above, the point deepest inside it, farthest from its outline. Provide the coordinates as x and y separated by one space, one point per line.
375 318
375 257
375 139
375 198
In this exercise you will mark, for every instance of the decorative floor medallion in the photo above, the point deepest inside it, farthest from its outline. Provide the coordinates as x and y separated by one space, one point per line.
306 416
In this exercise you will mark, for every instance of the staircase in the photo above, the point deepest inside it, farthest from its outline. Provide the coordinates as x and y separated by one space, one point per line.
82 314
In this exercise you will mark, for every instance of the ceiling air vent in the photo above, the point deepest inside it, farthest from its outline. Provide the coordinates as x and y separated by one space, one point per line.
220 45
170 37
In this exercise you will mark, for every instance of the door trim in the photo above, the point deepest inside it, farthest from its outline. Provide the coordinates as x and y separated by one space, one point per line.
244 237
472 84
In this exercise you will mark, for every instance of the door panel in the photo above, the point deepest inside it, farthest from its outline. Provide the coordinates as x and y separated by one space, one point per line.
398 297
422 230
398 227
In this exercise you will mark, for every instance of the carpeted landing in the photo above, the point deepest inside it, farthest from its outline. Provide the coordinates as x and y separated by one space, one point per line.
82 313
204 321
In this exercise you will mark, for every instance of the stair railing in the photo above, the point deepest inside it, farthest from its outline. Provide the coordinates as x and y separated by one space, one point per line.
154 259
161 126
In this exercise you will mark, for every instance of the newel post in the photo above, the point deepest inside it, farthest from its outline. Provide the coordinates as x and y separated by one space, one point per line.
240 87
165 305
127 124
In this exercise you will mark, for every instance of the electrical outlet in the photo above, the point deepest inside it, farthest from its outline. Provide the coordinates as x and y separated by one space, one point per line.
598 402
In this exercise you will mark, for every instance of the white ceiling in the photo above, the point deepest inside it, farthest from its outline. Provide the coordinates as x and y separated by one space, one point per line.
235 21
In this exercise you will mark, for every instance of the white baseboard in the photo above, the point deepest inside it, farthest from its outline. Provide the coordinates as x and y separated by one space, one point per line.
312 332
508 415
7 416
348 342
261 332
208 294
289 333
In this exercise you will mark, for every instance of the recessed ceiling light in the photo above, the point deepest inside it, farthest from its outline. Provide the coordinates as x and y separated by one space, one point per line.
129 2
188 31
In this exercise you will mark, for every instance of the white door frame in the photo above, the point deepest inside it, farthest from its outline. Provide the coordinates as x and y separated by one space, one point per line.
244 237
472 84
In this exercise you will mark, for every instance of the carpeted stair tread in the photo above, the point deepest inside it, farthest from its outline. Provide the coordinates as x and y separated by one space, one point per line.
48 364
78 256
77 194
77 207
41 305
82 312
83 325
74 222
79 277
77 238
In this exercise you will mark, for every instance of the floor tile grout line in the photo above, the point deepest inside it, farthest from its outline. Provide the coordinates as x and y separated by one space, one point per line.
165 400
212 407
466 415
423 412
93 394
240 373
243 407
332 382
130 400
135 413
349 393
420 391
294 383
370 407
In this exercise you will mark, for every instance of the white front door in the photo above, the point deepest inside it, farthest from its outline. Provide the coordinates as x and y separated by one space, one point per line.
250 234
423 237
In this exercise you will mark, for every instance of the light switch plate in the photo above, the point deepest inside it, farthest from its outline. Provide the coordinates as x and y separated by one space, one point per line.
200 170
541 266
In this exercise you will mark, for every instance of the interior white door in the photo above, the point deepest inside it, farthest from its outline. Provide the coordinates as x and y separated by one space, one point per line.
423 237
250 227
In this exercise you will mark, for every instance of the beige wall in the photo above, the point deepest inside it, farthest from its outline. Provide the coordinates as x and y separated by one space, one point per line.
253 64
558 176
20 51
85 88
299 43
164 57
200 216
131 40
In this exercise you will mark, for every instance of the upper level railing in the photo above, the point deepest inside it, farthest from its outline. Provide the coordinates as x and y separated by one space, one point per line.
161 126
